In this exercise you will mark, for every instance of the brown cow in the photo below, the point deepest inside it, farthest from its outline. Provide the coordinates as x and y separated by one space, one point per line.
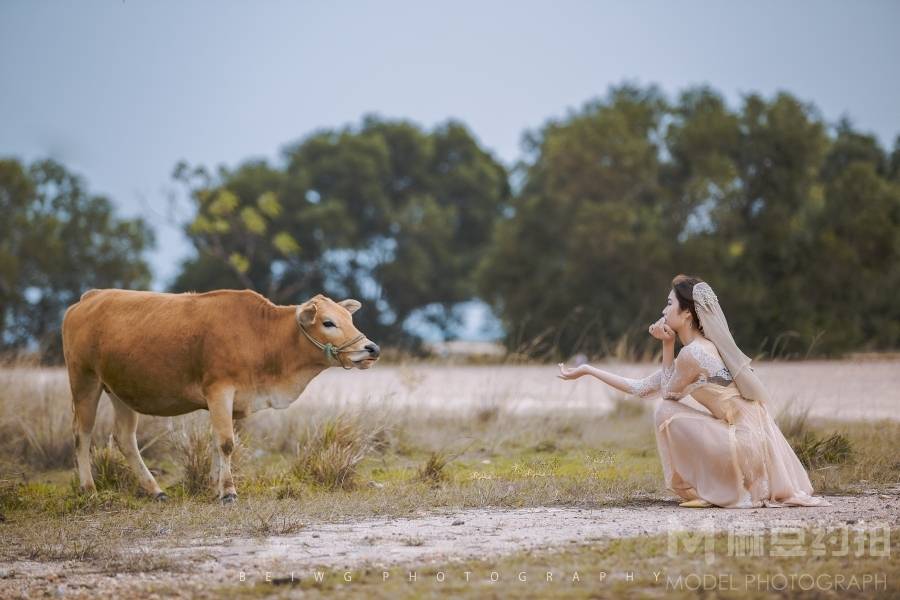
229 352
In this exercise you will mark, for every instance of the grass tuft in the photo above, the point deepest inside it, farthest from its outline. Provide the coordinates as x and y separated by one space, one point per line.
193 452
332 452
814 448
434 469
111 470
815 451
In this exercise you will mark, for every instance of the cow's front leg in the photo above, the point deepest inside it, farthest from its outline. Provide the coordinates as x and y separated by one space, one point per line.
220 400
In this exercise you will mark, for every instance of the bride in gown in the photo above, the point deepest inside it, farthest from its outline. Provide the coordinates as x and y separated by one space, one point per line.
734 456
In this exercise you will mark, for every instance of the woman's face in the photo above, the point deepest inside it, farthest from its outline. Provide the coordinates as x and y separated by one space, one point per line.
672 312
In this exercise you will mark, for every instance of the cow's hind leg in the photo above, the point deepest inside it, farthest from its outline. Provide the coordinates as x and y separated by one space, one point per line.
86 389
220 401
126 439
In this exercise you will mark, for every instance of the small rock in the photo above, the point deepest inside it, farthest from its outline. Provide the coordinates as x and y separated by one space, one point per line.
458 522
315 535
376 484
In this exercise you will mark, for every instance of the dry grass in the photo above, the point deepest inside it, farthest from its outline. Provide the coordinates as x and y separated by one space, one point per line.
192 447
333 449
814 450
35 424
410 462
36 421
842 456
111 470
416 408
337 444
434 469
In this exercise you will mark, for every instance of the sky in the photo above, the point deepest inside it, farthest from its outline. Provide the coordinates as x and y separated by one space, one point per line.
121 90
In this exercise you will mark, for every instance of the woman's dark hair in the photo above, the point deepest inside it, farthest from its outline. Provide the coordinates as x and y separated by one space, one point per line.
683 285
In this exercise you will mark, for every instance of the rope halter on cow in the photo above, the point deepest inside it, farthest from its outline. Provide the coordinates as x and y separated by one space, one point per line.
331 351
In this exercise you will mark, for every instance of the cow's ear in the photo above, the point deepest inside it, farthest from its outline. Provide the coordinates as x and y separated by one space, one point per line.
351 305
306 313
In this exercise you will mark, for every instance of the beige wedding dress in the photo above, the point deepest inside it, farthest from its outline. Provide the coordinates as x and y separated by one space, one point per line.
735 456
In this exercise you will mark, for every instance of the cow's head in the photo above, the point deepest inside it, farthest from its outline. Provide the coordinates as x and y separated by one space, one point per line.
330 322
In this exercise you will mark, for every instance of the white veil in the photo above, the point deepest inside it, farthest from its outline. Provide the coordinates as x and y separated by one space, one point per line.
715 328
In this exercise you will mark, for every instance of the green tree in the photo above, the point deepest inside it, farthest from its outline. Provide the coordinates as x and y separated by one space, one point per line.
855 270
386 212
57 241
796 228
581 259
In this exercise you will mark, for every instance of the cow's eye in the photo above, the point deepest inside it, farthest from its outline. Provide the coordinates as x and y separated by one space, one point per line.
329 324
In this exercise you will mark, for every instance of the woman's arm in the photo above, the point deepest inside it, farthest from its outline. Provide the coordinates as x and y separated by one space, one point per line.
663 332
646 387
641 387
687 370
668 357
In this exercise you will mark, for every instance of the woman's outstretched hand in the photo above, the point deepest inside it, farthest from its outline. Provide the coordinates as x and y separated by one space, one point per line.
567 373
661 331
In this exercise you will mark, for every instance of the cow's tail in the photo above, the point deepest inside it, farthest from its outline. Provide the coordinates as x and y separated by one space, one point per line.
68 312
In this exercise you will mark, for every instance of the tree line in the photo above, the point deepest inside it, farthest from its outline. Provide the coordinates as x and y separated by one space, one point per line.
793 221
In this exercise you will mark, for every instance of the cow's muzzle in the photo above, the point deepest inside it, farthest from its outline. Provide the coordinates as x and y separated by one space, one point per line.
367 356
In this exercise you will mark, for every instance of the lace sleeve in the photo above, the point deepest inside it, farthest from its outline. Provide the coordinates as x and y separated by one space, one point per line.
687 370
650 384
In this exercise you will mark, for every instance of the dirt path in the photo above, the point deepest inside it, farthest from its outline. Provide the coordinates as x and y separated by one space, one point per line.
386 543
491 532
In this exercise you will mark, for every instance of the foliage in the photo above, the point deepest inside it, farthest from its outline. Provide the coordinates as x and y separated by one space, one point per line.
796 228
387 213
794 221
57 241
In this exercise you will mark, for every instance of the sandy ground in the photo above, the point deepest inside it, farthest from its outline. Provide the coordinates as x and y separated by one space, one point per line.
398 545
823 386
845 389
491 532
840 389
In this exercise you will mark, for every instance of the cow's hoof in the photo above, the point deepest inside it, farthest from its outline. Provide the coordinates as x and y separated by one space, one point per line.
229 498
161 497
